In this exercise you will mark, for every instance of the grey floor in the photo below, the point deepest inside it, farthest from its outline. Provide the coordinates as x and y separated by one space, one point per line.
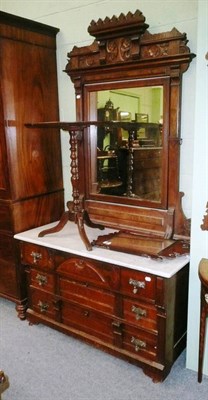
44 364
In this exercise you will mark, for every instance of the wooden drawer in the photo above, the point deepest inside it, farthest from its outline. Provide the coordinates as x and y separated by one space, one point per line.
140 314
33 254
43 303
42 279
87 295
90 271
87 321
140 343
138 284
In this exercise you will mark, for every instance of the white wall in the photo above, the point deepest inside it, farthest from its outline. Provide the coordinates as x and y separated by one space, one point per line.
73 17
199 238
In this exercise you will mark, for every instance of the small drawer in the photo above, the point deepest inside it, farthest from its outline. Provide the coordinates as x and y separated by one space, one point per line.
140 343
138 284
32 254
87 295
90 271
43 303
87 321
42 280
142 315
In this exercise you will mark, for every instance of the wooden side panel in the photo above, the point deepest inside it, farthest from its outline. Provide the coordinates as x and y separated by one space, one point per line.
38 211
34 156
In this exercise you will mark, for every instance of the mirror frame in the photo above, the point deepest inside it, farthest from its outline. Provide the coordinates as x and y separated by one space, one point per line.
125 51
91 150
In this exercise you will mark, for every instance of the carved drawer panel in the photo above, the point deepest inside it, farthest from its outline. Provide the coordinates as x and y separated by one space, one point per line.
87 321
43 303
138 284
95 272
36 255
140 314
42 280
140 343
87 295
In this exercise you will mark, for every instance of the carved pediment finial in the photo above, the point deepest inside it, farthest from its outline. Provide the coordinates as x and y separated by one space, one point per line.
132 23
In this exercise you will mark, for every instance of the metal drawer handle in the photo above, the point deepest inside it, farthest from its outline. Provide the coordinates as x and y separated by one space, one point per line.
43 306
136 285
139 344
36 256
42 279
139 312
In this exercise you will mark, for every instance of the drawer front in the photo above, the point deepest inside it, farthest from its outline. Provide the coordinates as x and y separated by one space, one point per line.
85 270
43 303
140 314
87 321
42 279
35 255
138 284
87 295
140 343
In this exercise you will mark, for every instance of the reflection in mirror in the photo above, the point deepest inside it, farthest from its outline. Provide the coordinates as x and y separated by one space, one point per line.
127 166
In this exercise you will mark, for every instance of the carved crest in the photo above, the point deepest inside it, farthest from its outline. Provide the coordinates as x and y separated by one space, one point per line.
125 39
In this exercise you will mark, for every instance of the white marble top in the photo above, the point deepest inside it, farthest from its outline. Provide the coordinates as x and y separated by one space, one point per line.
68 240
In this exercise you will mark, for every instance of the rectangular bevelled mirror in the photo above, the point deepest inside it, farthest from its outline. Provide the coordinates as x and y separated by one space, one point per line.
126 166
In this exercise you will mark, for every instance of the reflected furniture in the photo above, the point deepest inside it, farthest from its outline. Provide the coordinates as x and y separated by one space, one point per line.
31 188
203 276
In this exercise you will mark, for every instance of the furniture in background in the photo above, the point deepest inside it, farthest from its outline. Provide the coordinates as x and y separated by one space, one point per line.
203 276
204 225
4 382
31 188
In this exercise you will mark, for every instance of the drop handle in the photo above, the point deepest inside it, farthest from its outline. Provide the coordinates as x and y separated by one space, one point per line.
139 312
43 306
136 285
41 279
36 256
139 344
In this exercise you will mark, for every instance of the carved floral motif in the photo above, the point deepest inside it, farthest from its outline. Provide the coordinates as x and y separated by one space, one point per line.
118 50
156 50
